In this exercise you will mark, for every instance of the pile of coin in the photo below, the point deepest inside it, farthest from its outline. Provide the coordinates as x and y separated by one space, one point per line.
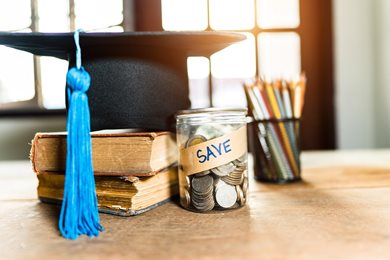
222 187
202 188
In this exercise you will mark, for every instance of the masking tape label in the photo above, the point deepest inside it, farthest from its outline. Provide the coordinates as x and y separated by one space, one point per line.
215 152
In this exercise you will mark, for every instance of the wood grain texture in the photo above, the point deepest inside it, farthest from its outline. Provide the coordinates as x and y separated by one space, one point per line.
341 210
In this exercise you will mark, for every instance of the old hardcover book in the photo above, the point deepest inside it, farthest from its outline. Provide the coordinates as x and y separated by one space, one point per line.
113 153
125 196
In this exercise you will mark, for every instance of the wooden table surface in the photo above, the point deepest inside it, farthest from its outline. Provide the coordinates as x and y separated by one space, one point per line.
340 210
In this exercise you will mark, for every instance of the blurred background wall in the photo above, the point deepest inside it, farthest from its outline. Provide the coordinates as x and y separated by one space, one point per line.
16 134
362 65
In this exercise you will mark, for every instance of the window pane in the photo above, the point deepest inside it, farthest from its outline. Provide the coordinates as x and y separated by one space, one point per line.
97 14
228 93
199 93
53 16
16 75
230 67
235 61
184 15
198 67
15 15
278 13
232 14
53 82
279 55
198 74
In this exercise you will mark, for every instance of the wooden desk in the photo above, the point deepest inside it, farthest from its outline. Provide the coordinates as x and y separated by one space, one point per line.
340 210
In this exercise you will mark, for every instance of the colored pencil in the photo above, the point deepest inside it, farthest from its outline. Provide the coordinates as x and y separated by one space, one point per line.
277 107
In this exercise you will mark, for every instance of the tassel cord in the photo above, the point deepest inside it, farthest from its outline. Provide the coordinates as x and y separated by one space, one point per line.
79 212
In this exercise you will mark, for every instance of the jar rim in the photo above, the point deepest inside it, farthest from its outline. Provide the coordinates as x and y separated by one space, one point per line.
210 110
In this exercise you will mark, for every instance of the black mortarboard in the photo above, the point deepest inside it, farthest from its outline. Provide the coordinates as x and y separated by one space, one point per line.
138 79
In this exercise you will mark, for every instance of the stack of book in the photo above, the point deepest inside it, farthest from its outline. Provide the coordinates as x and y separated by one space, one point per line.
134 172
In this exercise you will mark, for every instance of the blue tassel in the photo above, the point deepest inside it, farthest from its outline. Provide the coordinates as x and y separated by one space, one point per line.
79 212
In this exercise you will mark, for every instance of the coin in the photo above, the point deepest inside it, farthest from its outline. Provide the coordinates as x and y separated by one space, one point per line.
225 195
240 161
224 129
245 185
203 203
203 184
185 198
224 169
199 174
184 181
205 207
241 166
194 140
234 178
240 196
208 131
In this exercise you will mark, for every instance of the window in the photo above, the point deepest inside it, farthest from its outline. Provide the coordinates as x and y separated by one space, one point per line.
282 35
272 48
39 81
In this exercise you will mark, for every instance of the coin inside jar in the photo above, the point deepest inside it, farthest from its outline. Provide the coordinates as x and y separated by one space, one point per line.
240 195
202 193
196 139
203 202
184 198
223 170
240 161
184 181
225 195
208 131
245 185
199 174
234 178
202 184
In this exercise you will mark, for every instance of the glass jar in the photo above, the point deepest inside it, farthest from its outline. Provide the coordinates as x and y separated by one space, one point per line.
212 145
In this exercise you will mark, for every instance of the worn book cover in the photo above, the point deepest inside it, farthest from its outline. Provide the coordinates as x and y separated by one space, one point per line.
124 195
119 153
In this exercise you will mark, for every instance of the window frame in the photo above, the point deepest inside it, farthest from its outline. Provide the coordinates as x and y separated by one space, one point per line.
316 33
255 31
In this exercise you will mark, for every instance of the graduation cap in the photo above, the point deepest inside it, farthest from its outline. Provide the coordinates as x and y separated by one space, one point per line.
135 80
138 79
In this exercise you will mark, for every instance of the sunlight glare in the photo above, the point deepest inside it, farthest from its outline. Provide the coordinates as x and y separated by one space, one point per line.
53 16
53 80
198 67
279 55
98 14
232 14
235 61
15 15
184 15
228 93
16 75
278 14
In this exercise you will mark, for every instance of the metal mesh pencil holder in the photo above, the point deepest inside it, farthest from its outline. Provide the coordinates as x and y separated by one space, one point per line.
274 144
